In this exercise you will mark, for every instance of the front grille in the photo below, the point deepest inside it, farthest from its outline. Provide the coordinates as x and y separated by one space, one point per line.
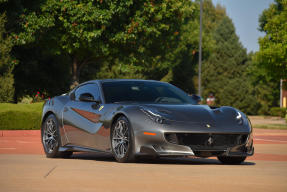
206 141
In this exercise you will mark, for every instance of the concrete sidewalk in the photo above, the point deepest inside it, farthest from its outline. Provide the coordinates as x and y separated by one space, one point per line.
95 172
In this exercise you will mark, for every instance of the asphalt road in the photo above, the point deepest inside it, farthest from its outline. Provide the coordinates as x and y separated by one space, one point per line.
23 167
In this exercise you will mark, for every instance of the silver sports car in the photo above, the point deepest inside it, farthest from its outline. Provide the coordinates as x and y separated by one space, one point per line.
133 118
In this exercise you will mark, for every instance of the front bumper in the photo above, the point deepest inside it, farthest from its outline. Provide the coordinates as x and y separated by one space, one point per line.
156 150
223 144
156 144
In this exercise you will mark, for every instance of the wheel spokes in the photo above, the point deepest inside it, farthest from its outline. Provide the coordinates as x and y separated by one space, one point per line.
120 139
50 136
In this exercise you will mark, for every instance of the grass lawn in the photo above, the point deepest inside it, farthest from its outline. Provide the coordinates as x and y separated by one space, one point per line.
20 116
271 126
268 122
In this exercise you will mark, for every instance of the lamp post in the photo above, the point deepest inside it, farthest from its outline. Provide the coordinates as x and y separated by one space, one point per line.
281 92
200 52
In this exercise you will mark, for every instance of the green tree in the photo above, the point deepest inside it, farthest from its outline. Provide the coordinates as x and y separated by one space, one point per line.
6 64
184 73
140 33
37 69
225 71
40 71
265 87
272 54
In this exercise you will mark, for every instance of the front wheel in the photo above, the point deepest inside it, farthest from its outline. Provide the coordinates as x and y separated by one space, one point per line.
51 138
231 160
122 141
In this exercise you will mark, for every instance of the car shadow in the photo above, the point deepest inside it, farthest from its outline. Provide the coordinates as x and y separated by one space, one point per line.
163 160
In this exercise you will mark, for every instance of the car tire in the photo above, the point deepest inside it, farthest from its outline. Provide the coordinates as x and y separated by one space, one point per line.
231 160
50 137
122 141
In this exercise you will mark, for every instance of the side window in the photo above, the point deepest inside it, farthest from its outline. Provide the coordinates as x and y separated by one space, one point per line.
88 88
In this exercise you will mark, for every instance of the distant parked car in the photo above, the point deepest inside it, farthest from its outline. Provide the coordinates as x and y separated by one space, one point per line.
133 118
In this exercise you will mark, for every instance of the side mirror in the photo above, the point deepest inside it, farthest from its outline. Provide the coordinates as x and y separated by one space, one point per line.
87 97
195 99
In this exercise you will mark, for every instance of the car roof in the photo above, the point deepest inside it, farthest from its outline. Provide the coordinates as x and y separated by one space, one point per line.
118 80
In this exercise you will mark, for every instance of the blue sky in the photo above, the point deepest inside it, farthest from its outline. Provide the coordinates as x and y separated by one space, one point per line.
245 15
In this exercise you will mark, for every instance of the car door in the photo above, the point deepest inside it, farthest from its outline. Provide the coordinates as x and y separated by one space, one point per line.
82 119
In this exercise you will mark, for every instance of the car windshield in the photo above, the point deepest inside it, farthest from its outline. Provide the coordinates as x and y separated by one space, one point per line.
144 92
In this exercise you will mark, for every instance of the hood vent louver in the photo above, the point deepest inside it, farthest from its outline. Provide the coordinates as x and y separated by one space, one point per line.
215 109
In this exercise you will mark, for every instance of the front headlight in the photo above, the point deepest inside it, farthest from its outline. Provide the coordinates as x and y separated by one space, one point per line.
239 118
153 115
249 142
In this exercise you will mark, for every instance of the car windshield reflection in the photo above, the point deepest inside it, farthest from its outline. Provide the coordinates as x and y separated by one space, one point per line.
144 92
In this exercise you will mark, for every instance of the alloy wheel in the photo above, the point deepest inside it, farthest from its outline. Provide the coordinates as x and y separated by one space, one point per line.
50 135
120 139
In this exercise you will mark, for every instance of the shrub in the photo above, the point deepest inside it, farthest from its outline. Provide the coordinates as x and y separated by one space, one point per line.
277 111
20 116
6 63
39 97
6 88
26 99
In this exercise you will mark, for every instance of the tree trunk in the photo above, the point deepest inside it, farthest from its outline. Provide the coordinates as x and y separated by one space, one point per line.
75 73
77 65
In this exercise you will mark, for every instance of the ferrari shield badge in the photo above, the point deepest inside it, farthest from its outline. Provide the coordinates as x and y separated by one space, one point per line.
210 140
101 107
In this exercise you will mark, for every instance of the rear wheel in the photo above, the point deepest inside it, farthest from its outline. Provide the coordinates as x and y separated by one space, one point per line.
51 138
122 141
231 160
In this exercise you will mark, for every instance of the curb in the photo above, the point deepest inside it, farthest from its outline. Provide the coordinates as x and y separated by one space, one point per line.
20 133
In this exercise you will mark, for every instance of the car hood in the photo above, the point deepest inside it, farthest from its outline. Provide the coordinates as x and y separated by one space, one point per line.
195 113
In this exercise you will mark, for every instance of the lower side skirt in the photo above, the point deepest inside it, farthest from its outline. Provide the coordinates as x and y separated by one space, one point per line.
79 149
